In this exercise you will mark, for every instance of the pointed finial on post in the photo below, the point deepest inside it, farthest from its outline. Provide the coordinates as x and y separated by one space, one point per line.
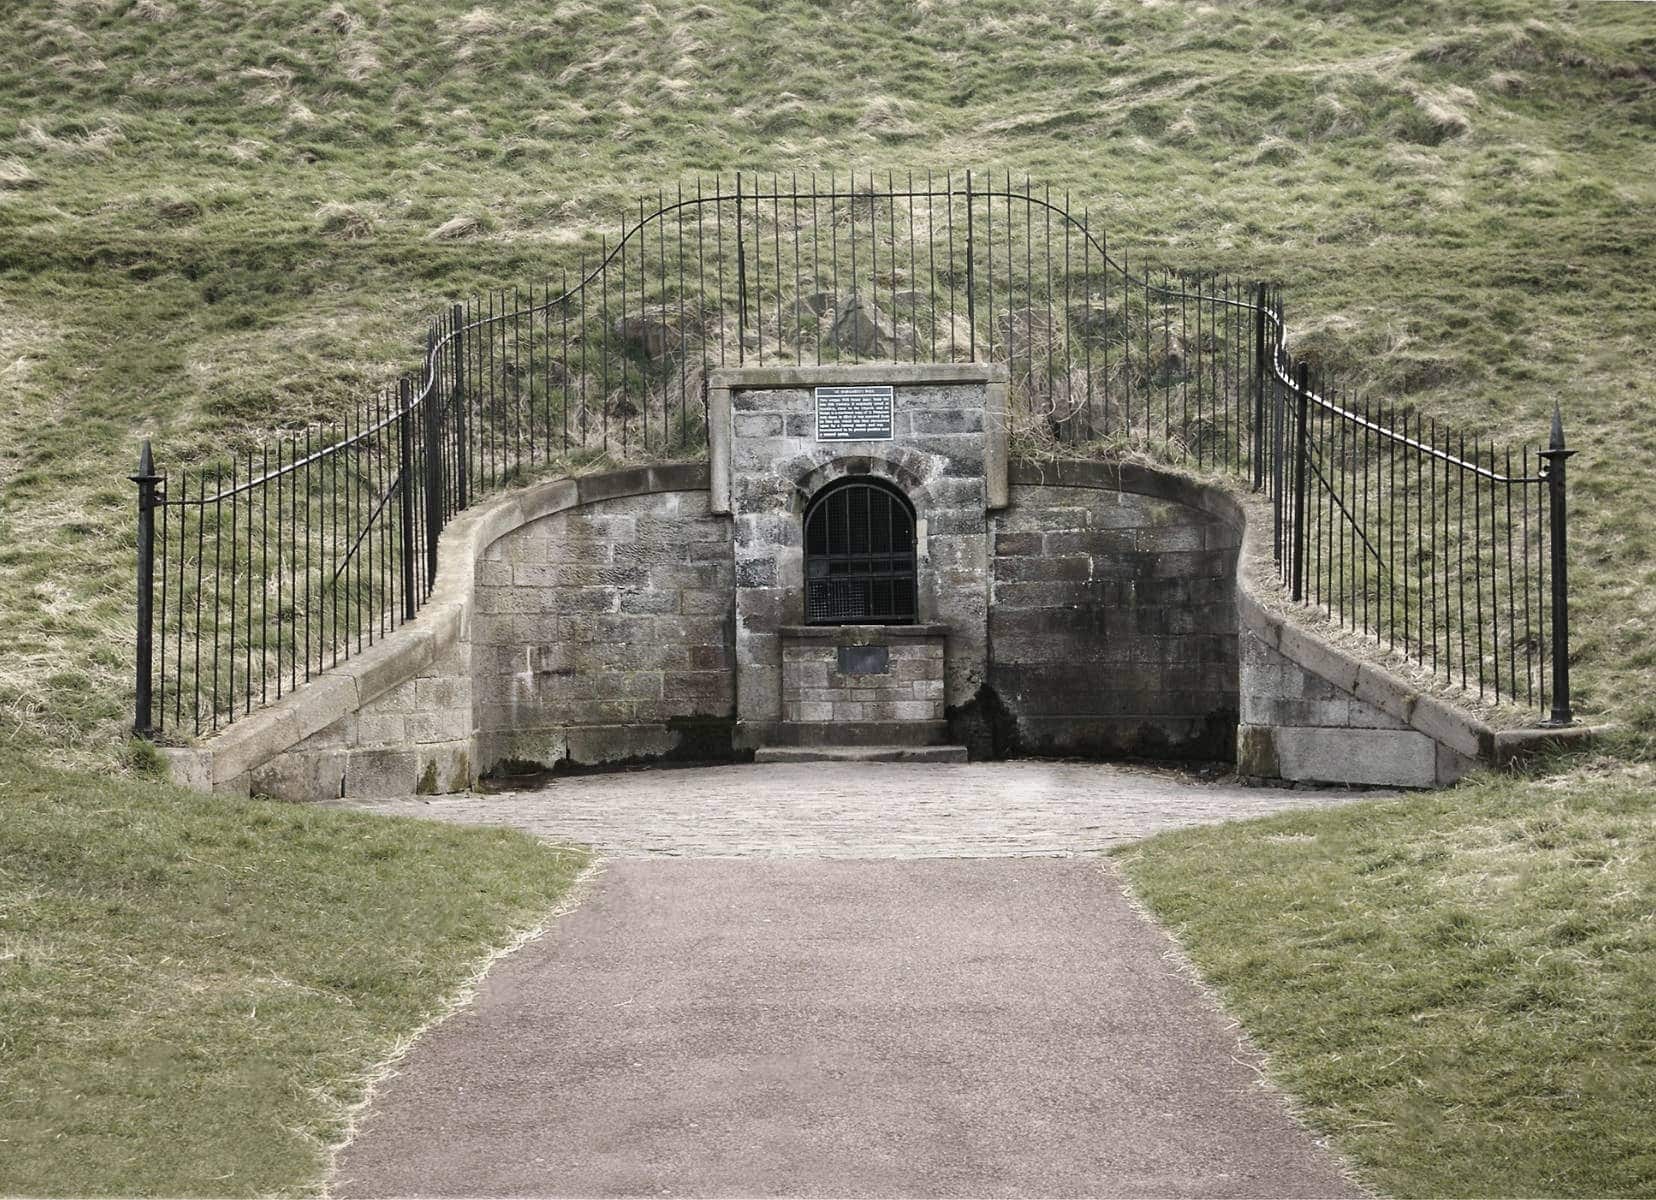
146 466
1557 440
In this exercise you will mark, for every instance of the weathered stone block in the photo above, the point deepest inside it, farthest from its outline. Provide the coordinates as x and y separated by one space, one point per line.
378 773
300 776
440 725
1375 757
381 729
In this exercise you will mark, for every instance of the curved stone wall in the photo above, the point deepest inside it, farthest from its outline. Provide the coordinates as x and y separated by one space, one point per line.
605 634
592 621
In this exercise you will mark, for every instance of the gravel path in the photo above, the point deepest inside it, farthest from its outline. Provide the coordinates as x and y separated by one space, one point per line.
863 810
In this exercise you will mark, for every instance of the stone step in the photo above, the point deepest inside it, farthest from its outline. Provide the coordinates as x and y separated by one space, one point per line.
858 733
795 754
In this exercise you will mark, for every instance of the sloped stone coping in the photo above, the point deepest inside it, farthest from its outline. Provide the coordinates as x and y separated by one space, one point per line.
1464 739
224 762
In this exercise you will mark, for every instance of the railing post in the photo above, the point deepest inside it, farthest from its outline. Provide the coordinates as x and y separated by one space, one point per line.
405 492
148 494
1557 454
1259 388
462 449
1302 407
971 278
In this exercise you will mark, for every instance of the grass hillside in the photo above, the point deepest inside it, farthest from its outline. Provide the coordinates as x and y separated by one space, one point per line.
195 991
1455 987
217 219
221 219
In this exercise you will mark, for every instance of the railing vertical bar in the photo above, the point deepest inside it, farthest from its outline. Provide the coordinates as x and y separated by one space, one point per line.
1301 434
1068 359
948 183
201 555
816 266
235 567
914 292
604 332
1086 319
160 707
621 339
1379 576
989 271
799 288
1477 559
1524 555
971 276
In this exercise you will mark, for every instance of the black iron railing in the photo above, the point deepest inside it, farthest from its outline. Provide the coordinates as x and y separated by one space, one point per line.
261 571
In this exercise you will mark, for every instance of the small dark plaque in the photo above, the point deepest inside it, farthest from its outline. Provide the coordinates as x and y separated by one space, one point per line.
864 660
854 414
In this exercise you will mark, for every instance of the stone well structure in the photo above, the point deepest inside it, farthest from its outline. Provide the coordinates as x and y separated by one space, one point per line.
859 569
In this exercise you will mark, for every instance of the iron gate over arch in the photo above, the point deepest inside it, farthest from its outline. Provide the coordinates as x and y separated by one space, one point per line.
273 564
859 555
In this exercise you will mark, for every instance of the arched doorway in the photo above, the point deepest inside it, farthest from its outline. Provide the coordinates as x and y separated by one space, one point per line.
859 555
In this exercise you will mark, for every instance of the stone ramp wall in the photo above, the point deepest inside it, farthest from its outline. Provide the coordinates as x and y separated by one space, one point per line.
1298 723
403 717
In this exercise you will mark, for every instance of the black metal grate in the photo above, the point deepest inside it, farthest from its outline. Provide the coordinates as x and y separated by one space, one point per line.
859 555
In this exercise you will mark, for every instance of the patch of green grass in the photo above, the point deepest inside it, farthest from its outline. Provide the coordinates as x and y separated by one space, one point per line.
193 988
1455 986
216 222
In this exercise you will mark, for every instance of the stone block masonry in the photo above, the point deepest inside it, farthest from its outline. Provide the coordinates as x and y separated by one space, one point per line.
947 456
901 680
604 635
1113 622
1064 608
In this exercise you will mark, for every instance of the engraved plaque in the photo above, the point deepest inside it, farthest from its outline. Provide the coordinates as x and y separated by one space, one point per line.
864 660
854 414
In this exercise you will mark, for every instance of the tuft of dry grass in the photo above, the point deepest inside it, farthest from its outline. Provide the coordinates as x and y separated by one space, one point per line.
458 227
176 206
480 22
16 176
887 119
1446 110
93 144
344 221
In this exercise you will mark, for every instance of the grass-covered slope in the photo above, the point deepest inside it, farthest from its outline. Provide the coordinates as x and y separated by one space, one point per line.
1456 987
220 218
192 988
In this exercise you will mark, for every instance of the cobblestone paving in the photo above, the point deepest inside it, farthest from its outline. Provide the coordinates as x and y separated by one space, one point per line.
863 810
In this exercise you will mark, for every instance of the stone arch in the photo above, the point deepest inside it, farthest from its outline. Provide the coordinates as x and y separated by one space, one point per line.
809 476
